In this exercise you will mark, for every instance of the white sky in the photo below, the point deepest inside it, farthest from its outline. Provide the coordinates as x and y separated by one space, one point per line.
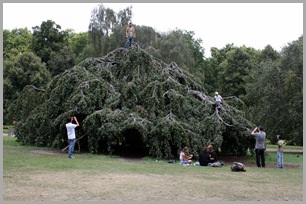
217 24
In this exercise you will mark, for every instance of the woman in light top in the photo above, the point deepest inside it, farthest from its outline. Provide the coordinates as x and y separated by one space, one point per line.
184 158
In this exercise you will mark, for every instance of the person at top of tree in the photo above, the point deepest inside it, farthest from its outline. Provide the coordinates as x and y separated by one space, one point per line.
218 100
130 34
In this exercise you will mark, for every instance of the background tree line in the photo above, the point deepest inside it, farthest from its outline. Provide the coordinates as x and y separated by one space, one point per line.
268 82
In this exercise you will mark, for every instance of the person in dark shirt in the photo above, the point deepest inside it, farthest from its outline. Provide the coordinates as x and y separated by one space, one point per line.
204 157
212 157
212 154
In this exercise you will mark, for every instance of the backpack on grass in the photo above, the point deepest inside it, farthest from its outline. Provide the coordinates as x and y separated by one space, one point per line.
171 161
237 166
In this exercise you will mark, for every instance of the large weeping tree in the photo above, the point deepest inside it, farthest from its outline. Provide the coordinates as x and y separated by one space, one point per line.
129 100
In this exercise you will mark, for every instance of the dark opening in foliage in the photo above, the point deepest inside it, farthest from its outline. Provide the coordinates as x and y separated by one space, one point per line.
133 145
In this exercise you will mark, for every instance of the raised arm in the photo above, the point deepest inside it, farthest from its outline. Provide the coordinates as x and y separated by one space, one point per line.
77 123
254 131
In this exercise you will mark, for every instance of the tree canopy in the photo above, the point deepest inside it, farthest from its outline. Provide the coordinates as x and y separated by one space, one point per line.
47 38
276 92
129 98
26 69
15 42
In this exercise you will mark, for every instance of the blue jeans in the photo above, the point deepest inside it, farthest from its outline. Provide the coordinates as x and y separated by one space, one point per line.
184 162
280 160
71 147
129 42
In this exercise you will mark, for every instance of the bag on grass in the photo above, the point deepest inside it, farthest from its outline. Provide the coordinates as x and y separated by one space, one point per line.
171 161
237 166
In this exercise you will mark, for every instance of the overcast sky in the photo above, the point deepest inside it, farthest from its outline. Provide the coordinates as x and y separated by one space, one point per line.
252 25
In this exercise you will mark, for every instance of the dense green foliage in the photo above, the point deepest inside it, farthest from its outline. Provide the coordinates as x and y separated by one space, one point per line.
48 38
276 93
16 42
26 69
130 98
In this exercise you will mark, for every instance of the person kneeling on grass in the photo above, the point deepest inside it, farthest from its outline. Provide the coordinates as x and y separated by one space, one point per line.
184 159
212 157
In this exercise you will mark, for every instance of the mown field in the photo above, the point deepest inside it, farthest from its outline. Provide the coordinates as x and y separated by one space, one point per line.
40 174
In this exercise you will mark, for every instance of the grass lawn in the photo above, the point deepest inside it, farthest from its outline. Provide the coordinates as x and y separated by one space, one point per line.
30 175
289 159
270 146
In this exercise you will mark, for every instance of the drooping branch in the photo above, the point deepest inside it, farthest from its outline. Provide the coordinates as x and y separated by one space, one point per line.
34 87
202 96
220 119
77 141
170 116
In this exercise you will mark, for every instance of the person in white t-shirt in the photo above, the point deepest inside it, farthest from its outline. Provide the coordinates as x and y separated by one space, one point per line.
218 99
71 134
184 158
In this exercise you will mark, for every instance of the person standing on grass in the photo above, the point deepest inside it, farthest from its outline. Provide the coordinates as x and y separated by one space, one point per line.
260 137
71 134
280 144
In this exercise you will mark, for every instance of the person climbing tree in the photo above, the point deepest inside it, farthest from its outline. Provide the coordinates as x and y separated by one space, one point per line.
218 99
130 34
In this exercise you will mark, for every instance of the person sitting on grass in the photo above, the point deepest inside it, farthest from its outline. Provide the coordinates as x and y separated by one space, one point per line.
204 157
184 158
212 157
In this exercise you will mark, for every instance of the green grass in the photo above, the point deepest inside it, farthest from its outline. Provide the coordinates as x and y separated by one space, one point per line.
270 146
289 158
25 171
15 156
